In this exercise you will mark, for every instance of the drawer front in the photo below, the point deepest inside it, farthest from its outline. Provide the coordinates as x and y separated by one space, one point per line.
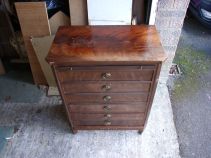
105 97
106 86
104 120
124 73
138 107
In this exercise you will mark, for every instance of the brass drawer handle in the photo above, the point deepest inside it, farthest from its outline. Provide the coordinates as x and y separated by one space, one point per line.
106 75
107 108
107 123
107 98
108 115
106 87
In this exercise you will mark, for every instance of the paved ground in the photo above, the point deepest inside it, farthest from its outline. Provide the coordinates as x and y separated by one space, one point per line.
39 127
191 93
43 132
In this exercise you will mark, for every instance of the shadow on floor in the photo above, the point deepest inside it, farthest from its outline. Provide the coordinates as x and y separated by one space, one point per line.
17 85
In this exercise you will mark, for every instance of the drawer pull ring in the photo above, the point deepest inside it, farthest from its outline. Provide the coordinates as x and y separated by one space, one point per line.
108 115
107 123
107 98
106 75
106 87
107 108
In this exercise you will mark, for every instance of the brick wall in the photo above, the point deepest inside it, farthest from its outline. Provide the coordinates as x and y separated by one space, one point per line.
169 21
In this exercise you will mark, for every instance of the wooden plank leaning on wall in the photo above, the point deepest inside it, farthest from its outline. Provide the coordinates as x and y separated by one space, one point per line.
78 12
42 46
33 20
58 19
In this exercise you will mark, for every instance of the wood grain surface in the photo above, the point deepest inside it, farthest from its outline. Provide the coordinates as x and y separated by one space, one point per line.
41 47
118 75
105 86
99 97
33 20
107 75
130 107
106 43
113 120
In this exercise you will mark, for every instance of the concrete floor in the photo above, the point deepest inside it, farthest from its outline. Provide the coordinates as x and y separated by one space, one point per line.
16 85
42 130
191 93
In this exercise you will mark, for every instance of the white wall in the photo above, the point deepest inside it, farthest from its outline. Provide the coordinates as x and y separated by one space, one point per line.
153 12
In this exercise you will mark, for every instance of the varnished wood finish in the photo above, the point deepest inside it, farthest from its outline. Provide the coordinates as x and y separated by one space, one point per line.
128 107
100 97
152 90
107 75
105 86
113 120
106 43
117 127
97 75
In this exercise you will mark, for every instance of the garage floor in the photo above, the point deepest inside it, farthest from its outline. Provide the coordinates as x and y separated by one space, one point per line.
16 85
42 131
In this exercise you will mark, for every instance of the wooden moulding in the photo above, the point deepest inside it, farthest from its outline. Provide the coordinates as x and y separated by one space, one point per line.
33 20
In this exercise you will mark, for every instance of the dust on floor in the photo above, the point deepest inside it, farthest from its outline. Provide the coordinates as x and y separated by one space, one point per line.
44 133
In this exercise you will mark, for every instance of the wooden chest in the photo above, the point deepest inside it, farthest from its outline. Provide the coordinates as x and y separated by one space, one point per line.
107 75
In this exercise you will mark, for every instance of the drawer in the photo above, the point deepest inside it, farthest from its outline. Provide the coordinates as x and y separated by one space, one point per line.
105 86
105 97
137 107
105 73
104 120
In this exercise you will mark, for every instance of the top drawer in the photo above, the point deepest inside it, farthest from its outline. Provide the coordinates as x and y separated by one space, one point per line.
103 73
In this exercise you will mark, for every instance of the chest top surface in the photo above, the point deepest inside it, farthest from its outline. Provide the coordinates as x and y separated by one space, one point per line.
106 44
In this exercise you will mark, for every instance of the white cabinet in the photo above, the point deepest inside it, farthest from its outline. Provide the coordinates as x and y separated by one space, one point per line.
109 12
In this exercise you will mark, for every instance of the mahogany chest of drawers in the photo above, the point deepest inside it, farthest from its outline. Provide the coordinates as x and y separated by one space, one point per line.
107 75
